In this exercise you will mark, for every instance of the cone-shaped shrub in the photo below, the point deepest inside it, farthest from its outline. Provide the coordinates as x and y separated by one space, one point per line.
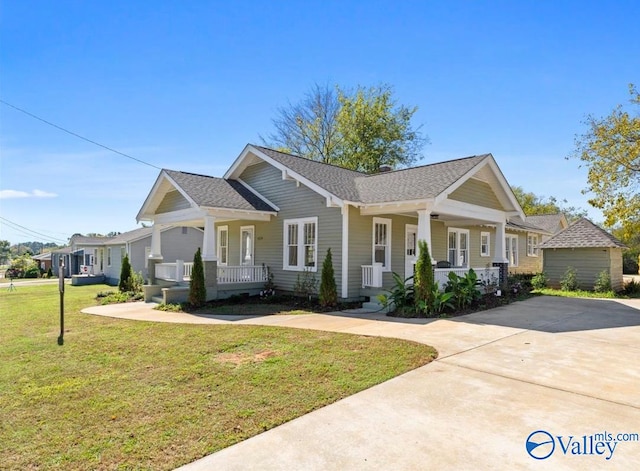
197 290
328 295
423 278
126 281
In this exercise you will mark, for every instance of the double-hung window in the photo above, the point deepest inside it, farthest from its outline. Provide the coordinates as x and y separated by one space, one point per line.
300 244
511 249
382 242
223 245
458 247
485 241
532 245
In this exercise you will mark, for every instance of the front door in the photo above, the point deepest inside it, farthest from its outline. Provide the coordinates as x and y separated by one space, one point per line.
246 245
410 249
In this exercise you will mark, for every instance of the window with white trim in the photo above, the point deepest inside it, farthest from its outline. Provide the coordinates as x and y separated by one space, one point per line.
300 244
532 245
222 251
458 247
485 244
382 242
511 249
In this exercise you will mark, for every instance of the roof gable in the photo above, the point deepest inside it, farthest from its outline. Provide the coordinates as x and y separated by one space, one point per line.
411 184
199 191
582 233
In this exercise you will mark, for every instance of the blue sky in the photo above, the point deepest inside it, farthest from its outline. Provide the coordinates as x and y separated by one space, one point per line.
186 85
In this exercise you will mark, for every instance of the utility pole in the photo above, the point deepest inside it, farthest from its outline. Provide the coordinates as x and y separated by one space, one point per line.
61 288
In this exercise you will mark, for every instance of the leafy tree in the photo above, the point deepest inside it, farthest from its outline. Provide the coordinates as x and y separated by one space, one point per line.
610 149
423 278
126 280
375 131
197 289
361 130
308 129
536 205
328 294
5 251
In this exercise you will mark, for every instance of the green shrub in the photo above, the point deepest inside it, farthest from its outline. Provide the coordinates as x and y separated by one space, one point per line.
569 281
539 281
49 273
464 288
32 272
169 307
424 292
197 288
328 295
126 282
632 289
306 284
603 282
401 295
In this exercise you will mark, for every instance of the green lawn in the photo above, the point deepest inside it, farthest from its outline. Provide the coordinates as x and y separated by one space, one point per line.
137 395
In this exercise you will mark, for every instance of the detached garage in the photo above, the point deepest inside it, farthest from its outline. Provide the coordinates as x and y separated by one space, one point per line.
587 248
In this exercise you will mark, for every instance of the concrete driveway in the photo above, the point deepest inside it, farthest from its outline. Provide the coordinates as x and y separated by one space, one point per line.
565 368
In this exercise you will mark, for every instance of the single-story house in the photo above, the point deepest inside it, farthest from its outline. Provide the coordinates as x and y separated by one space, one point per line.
279 213
43 260
101 257
178 243
587 248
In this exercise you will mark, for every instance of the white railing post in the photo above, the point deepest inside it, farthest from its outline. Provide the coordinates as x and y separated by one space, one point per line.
179 270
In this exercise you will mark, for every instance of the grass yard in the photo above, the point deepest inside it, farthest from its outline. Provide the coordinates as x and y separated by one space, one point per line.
137 395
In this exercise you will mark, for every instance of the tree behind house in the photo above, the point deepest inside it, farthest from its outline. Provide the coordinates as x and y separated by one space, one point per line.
197 289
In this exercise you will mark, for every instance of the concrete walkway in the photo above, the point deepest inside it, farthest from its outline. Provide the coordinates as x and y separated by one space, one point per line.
565 366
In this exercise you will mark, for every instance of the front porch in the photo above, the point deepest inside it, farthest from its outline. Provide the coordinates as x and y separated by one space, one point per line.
372 275
171 281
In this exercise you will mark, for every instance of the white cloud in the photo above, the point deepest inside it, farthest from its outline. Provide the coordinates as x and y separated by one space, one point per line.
7 194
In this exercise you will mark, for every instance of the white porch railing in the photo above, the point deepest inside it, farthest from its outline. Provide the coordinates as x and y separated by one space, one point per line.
178 271
372 276
486 274
242 274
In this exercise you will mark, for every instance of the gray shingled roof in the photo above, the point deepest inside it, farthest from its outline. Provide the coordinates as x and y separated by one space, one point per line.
582 233
426 181
217 192
84 240
548 222
518 224
129 236
336 180
414 183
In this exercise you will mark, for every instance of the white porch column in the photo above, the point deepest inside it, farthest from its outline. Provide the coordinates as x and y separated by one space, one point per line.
156 253
424 227
500 254
209 239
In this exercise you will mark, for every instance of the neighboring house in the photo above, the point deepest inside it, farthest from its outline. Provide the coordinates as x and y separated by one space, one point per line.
178 243
278 211
43 260
587 248
63 254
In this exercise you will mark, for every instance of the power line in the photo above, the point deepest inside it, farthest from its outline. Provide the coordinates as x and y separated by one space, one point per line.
30 232
78 135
